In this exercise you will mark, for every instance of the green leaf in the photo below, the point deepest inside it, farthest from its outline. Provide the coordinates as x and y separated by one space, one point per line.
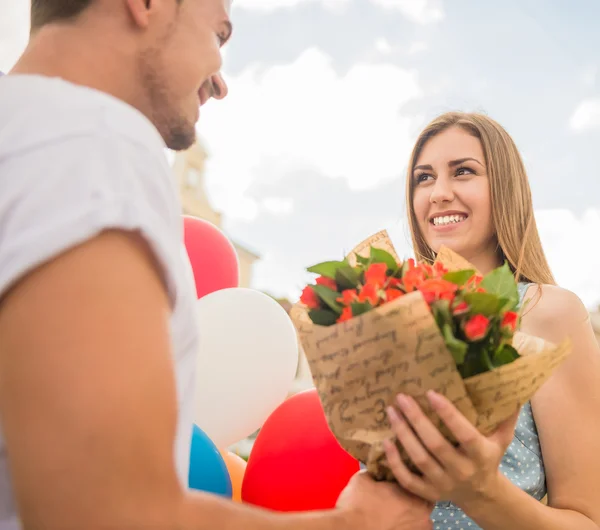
381 256
470 367
485 360
441 313
358 308
323 317
329 296
485 303
346 277
457 347
505 354
459 277
501 282
507 305
361 260
327 268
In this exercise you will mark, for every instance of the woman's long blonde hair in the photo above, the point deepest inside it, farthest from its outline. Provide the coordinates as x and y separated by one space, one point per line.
512 207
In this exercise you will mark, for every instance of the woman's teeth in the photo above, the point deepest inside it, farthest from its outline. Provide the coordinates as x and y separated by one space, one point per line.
448 219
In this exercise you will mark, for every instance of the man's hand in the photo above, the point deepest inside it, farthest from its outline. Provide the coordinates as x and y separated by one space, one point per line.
383 506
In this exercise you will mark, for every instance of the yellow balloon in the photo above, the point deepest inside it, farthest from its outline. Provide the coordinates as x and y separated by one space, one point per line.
236 466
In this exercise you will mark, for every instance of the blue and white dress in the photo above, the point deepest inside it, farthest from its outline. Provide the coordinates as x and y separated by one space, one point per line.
522 464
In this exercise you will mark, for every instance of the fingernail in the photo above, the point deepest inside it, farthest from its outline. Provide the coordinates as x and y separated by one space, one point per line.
403 400
434 398
393 416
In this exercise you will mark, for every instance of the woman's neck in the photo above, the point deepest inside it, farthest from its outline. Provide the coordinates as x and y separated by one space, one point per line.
485 261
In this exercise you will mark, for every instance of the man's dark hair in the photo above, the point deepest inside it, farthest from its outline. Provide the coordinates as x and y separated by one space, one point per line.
47 11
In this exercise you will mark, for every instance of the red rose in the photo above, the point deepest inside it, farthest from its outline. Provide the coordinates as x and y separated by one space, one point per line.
327 282
369 293
476 327
346 314
509 322
348 296
309 298
376 274
460 309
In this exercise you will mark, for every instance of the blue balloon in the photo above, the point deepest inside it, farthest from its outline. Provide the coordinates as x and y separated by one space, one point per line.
208 471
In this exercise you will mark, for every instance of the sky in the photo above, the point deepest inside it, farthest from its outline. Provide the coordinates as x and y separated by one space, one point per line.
308 153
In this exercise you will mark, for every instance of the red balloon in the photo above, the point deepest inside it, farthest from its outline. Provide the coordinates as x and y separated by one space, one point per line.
296 463
214 259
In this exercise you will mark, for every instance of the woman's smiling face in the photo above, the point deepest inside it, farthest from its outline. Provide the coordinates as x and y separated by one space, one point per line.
451 194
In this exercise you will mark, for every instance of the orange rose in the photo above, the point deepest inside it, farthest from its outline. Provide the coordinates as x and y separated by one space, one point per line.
437 289
392 294
348 296
413 278
369 293
346 314
439 269
476 327
395 282
376 274
309 298
327 282
473 283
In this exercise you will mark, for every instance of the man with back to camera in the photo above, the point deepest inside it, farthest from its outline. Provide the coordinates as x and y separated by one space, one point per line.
97 331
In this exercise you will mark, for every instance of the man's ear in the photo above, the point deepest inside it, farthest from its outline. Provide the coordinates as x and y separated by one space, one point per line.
139 11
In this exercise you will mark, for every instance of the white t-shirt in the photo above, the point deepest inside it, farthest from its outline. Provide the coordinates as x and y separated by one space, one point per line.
73 162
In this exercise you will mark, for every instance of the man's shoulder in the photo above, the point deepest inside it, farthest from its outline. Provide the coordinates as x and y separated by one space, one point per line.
37 111
62 147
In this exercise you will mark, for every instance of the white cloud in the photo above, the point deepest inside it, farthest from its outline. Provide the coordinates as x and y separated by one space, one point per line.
418 11
14 31
417 47
278 205
589 76
571 246
305 115
382 45
270 5
586 116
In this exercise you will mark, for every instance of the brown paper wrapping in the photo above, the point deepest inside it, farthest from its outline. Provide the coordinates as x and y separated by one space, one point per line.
359 366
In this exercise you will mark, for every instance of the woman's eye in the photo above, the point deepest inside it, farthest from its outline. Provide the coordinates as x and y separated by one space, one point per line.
422 177
463 171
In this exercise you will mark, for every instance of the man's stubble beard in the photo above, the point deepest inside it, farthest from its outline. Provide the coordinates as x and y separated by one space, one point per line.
178 132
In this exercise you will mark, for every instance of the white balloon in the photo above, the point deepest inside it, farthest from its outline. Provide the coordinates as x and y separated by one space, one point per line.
246 364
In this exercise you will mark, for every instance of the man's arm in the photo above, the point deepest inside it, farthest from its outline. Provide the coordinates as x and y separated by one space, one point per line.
87 397
88 406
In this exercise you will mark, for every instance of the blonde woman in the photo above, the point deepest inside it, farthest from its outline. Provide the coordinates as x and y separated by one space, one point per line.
467 189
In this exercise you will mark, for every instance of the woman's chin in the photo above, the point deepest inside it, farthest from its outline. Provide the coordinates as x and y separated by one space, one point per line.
452 244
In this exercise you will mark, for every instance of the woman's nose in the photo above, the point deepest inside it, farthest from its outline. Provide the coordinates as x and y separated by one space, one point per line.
442 191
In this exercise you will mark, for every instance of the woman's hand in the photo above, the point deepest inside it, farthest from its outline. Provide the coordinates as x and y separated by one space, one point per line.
462 474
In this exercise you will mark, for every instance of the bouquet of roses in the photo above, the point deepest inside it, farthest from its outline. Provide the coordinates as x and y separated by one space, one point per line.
476 316
373 326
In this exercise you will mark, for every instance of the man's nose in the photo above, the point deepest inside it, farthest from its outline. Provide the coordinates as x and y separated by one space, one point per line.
219 86
442 191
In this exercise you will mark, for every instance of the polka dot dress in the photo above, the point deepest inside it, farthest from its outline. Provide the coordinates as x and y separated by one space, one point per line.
522 464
